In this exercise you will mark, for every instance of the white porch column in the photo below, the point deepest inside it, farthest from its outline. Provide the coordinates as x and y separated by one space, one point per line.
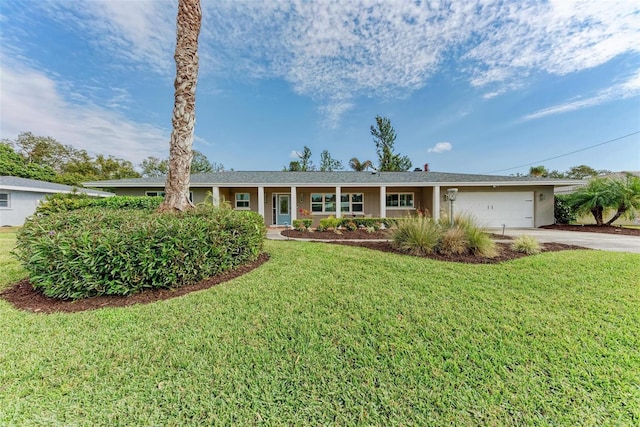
261 201
215 196
383 202
338 203
294 204
435 214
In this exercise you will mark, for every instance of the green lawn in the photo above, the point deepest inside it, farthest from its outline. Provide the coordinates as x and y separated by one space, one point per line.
331 335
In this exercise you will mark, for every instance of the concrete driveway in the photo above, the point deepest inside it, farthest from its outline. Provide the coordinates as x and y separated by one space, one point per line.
602 241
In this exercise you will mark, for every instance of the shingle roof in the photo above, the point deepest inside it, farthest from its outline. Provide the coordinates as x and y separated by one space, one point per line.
32 185
274 178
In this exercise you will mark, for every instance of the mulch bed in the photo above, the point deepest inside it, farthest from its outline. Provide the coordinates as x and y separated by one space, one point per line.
607 229
358 234
23 296
505 252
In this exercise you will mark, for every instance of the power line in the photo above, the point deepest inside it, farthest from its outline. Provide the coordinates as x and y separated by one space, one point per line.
566 154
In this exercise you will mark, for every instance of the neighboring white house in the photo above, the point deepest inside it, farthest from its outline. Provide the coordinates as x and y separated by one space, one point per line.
19 197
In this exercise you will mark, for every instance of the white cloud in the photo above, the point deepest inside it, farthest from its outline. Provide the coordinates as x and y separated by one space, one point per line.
627 89
337 51
32 101
294 154
440 147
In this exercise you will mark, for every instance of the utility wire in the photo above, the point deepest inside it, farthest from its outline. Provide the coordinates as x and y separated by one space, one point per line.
567 154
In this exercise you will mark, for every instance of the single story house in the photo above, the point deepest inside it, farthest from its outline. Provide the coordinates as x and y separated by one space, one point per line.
282 197
19 197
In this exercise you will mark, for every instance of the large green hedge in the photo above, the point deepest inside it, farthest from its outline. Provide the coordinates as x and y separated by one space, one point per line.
98 251
61 202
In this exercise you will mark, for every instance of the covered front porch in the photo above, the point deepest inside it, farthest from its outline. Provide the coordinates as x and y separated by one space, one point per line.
280 206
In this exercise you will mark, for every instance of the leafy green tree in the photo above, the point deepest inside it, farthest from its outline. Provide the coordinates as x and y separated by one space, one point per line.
384 137
625 193
305 164
359 166
153 167
584 171
328 163
43 150
13 164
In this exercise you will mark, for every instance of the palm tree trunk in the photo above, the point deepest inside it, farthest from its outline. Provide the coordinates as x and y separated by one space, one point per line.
597 214
618 214
184 109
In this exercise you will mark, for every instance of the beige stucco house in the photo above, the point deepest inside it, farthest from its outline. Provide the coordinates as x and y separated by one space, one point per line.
282 197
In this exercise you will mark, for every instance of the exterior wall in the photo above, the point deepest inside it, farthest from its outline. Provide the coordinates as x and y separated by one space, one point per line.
423 198
22 204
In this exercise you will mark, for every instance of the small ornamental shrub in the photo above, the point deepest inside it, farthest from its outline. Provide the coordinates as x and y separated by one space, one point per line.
329 223
480 243
526 245
102 251
417 236
298 225
563 211
307 223
350 225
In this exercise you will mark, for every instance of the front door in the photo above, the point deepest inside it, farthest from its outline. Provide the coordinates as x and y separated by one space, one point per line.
283 210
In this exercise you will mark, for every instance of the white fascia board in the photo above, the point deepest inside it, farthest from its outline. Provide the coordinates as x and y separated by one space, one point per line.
52 191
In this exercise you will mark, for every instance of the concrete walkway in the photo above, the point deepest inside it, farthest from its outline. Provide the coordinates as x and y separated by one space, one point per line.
601 241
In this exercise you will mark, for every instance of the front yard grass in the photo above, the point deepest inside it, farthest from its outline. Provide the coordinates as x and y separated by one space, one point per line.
332 335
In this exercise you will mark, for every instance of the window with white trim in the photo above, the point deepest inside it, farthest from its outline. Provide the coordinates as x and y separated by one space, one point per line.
242 200
327 202
154 193
400 200
5 200
352 202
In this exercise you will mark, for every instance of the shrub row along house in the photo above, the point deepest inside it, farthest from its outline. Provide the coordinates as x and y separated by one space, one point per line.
282 197
19 197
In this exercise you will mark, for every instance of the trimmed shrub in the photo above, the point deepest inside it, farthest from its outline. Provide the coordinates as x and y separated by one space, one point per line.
563 211
454 242
72 201
302 224
417 236
526 245
101 251
329 223
350 225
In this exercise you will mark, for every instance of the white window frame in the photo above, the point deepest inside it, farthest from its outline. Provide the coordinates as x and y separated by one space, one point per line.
8 200
324 203
351 203
247 201
338 203
162 193
400 194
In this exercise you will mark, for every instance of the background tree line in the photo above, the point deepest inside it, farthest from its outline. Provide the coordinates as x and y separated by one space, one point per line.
384 138
45 159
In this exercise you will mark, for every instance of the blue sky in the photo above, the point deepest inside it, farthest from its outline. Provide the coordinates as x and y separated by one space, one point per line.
469 86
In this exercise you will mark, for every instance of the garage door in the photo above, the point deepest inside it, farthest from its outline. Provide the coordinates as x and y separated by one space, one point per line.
495 209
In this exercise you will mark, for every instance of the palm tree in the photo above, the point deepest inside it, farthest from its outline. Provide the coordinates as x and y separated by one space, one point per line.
626 195
359 166
596 198
184 109
538 171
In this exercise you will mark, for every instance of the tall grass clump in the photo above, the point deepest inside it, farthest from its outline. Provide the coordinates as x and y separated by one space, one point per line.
422 235
100 251
417 236
526 244
480 243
